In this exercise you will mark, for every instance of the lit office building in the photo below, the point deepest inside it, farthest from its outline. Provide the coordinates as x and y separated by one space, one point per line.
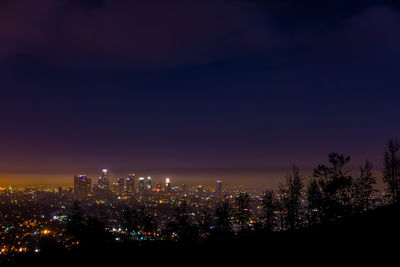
141 184
82 185
130 183
200 190
167 184
103 182
218 189
121 186
149 182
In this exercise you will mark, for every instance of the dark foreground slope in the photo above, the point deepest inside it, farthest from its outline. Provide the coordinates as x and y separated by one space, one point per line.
374 235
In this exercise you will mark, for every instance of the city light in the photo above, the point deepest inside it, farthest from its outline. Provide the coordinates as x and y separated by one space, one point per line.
210 133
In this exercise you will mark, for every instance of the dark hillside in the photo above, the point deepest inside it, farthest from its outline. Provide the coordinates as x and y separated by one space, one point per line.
373 235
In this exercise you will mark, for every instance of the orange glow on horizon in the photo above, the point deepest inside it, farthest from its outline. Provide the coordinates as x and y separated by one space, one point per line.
35 179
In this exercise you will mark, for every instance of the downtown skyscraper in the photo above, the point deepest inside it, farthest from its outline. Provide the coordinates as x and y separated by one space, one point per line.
103 182
82 185
218 189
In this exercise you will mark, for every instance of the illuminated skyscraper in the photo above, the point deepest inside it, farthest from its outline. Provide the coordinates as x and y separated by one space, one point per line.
130 183
82 185
149 182
200 190
218 189
114 187
103 182
141 184
121 186
167 184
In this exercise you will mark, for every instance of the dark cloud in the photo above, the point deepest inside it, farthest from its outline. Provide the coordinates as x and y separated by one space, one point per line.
167 33
128 31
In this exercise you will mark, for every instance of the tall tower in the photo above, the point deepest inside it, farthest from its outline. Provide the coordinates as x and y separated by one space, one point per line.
103 182
82 185
121 186
149 183
200 190
141 184
167 184
130 183
218 189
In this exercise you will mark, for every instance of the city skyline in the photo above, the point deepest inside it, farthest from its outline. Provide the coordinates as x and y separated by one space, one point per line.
221 132
264 178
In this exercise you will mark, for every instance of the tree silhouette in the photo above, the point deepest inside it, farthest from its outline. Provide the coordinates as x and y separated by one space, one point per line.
86 231
269 207
363 188
391 171
183 224
280 206
243 210
205 222
76 221
223 220
335 184
140 222
148 225
292 191
128 222
95 233
314 199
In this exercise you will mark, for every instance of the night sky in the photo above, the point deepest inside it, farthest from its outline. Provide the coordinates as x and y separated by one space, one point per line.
195 90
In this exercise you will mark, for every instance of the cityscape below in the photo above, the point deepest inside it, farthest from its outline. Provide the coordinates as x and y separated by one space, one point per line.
145 210
188 132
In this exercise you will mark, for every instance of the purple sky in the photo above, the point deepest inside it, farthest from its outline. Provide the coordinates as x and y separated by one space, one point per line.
238 90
